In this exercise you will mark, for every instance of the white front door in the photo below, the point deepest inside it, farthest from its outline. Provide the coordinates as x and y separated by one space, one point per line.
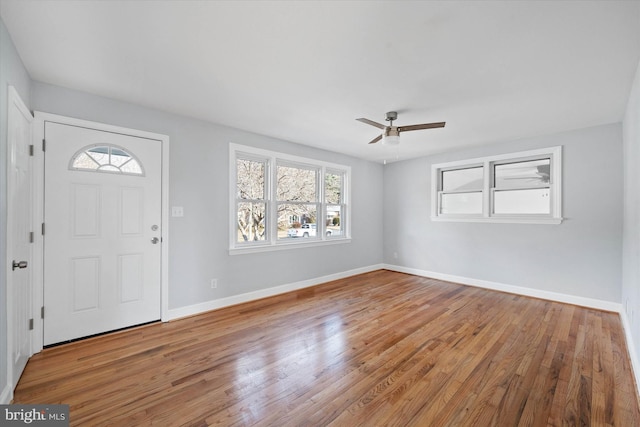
102 251
19 237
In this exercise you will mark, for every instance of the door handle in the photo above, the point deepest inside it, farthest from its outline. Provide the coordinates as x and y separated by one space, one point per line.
19 264
155 240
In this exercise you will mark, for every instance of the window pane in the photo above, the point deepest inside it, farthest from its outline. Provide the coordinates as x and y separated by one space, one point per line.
118 157
534 173
132 167
106 158
333 187
334 221
296 184
84 161
461 203
100 155
250 179
296 220
469 179
251 222
535 201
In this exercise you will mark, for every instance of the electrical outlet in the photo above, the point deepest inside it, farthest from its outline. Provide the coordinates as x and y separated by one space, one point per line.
177 211
214 283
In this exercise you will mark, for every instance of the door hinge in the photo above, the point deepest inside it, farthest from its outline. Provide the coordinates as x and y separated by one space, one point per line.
44 145
31 150
31 324
31 237
43 228
42 312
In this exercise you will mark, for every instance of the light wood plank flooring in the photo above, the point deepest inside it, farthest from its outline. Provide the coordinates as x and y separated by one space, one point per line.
381 348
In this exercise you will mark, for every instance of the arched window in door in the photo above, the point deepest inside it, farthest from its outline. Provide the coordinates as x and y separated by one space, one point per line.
106 158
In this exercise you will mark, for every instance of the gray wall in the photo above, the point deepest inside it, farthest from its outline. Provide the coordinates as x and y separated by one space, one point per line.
579 257
582 256
12 72
199 180
631 242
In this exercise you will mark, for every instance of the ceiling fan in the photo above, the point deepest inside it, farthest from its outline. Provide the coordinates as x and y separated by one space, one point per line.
391 134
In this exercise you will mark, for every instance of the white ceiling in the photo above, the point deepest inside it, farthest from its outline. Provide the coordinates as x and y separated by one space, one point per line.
304 71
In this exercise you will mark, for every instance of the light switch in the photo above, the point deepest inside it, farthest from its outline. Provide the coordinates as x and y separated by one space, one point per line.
177 211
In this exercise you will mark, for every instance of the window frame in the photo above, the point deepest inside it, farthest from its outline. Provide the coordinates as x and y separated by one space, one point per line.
316 202
470 165
264 200
342 203
272 160
554 154
100 169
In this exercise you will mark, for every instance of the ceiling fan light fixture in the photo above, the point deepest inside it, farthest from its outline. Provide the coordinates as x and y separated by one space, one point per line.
391 139
391 136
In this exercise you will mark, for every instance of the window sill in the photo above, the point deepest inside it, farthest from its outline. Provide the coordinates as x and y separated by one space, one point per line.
282 246
500 220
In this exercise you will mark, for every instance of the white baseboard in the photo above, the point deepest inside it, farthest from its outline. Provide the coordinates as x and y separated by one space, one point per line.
518 290
177 313
6 395
631 348
202 307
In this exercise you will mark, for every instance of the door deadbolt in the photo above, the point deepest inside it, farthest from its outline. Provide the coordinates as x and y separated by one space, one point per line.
19 264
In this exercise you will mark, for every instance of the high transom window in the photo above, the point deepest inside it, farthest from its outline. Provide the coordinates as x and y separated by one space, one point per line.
519 187
106 158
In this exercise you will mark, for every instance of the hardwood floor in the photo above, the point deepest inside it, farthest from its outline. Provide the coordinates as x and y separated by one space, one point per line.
381 348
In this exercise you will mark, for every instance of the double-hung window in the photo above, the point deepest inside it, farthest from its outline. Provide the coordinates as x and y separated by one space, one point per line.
520 187
278 200
461 192
335 202
297 198
251 198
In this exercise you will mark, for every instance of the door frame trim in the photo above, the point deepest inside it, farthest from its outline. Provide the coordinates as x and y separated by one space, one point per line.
14 100
40 118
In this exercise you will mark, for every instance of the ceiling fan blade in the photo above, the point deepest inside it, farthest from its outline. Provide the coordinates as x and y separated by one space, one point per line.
376 139
422 126
372 123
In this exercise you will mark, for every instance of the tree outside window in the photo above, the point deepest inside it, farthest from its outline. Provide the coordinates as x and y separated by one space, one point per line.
274 195
251 204
296 195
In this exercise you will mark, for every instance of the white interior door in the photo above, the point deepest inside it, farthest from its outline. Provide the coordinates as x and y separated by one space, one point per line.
102 251
19 220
